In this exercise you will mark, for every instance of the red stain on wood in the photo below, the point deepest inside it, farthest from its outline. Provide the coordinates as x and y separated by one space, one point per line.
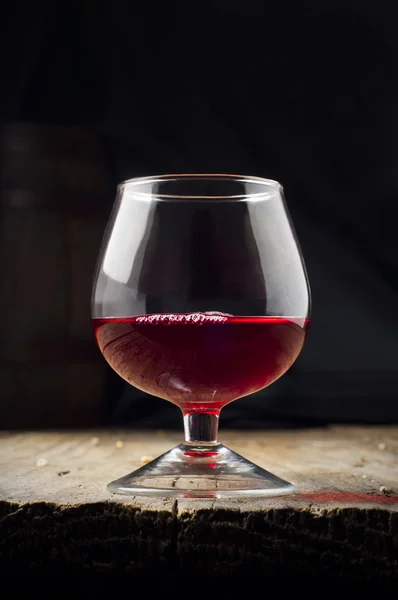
340 497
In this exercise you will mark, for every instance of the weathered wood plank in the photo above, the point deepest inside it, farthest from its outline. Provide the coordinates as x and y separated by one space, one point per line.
343 520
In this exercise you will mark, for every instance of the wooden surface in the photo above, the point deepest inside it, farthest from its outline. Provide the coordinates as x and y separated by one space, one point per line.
342 521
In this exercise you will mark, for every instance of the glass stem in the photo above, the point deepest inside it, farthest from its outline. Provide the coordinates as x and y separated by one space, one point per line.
201 428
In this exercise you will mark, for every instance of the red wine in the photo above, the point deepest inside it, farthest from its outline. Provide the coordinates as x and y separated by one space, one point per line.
200 361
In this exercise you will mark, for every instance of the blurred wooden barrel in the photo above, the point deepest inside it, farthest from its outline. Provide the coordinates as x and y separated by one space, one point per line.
56 191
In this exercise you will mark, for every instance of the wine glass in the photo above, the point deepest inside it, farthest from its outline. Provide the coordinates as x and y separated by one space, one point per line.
200 297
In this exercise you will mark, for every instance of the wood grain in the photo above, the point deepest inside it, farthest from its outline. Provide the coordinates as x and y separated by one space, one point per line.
342 521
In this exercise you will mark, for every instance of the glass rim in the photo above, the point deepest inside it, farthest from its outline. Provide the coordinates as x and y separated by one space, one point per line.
135 182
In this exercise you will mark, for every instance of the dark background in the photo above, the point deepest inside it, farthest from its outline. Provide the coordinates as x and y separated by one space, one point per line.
305 93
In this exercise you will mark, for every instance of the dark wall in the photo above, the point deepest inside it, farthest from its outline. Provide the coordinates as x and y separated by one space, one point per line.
305 93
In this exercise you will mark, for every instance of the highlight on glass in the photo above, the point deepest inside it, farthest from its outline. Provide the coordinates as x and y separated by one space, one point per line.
200 297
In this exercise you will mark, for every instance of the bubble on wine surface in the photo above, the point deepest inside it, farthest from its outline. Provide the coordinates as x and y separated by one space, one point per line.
194 318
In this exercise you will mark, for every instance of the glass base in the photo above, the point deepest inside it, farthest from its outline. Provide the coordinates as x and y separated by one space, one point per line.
205 471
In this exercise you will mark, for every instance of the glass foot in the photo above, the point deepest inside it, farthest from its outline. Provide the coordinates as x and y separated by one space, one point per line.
206 471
